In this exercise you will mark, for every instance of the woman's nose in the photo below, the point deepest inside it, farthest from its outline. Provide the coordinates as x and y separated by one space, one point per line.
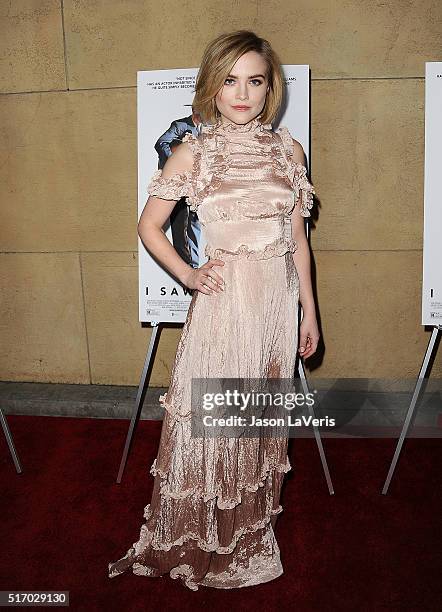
242 93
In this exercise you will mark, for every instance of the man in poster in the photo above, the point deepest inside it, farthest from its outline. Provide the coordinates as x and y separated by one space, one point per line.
186 228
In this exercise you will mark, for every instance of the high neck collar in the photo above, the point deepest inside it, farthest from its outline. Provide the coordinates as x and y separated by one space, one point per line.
251 127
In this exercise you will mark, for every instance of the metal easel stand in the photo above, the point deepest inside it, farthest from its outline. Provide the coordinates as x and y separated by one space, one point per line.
316 430
138 402
10 442
412 407
303 378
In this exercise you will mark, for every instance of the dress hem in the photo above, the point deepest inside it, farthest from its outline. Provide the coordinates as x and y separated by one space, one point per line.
186 570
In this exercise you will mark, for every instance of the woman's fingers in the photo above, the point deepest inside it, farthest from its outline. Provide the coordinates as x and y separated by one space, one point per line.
303 343
305 348
213 274
213 278
307 345
215 283
201 287
207 280
208 284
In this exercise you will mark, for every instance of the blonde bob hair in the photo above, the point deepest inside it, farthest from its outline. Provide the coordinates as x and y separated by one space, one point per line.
219 58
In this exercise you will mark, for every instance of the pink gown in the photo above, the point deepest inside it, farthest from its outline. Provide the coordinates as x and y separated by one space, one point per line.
215 501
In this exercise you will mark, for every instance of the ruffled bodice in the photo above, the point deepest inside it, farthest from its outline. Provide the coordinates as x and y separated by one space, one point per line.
244 185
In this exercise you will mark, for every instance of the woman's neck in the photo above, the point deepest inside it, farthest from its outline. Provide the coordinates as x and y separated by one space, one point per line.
224 121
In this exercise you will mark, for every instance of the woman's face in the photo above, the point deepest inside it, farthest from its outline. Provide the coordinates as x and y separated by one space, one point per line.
243 95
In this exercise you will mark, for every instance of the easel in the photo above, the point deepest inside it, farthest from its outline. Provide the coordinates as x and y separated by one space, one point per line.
316 430
305 389
148 361
412 407
10 442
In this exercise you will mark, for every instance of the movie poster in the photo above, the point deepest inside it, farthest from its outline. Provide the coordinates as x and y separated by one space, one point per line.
432 256
165 115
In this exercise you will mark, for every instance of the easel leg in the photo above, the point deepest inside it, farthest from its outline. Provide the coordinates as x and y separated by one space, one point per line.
138 406
10 442
316 431
412 407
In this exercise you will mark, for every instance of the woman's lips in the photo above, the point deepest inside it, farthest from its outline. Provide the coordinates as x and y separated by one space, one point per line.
241 108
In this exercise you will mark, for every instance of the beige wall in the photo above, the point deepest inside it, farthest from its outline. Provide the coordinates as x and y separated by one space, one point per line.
68 175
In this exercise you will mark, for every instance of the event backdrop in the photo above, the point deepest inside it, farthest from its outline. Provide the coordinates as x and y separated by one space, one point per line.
164 99
432 258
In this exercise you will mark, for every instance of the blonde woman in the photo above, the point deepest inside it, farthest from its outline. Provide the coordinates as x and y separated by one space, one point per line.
215 501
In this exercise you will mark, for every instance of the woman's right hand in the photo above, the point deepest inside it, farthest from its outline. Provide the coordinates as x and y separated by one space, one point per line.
205 279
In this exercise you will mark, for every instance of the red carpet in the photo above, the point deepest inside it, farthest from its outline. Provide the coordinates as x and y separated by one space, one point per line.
64 519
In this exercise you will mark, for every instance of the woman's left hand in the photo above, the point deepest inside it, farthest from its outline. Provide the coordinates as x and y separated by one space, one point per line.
308 335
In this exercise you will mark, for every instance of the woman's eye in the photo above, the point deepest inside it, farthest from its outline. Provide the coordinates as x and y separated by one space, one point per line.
255 82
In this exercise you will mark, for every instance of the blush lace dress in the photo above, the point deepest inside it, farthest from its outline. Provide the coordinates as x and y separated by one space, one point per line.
215 501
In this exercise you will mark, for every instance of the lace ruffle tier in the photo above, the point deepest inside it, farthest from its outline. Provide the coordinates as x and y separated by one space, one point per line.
297 175
279 247
171 188
211 161
189 512
211 483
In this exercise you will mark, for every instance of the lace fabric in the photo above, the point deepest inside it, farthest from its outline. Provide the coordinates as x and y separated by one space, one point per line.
211 162
279 247
172 188
297 174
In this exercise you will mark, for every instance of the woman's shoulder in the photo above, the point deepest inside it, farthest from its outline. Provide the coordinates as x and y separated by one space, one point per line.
192 144
284 134
192 140
185 152
180 161
292 146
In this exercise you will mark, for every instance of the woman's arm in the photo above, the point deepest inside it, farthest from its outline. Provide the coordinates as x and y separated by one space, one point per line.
150 230
309 333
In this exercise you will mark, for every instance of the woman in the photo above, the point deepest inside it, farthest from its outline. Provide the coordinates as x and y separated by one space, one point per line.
215 500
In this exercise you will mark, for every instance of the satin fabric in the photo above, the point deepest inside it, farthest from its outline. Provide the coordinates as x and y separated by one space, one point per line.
215 501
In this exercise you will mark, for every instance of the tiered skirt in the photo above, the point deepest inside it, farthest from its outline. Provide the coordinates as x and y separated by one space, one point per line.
215 500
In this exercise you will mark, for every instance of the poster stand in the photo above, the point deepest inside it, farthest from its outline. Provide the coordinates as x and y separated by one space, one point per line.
412 407
148 362
10 442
